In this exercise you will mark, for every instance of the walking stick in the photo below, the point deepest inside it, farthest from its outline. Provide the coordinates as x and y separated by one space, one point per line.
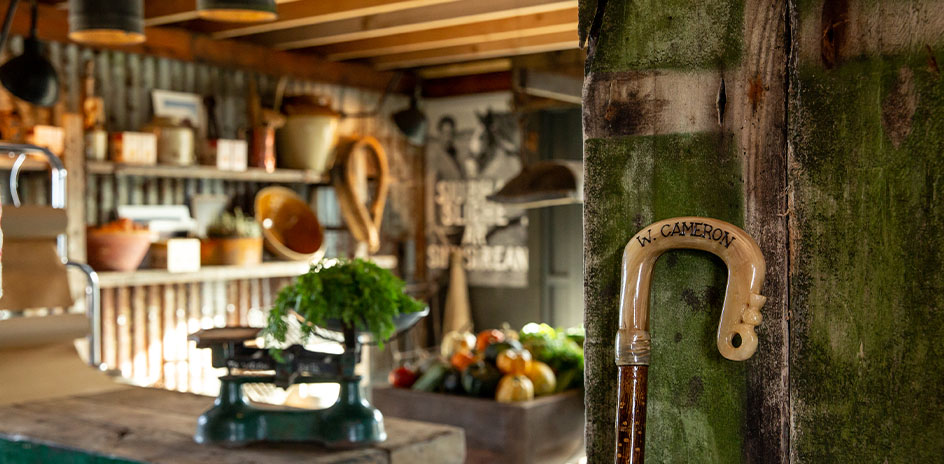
739 315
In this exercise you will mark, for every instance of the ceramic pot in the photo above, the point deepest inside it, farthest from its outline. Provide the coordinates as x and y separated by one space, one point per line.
117 251
306 142
175 142
230 251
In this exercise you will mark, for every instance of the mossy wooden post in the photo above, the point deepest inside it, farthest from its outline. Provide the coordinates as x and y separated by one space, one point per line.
866 178
683 115
818 127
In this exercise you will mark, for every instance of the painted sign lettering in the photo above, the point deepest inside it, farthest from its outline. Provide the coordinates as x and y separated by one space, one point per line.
688 229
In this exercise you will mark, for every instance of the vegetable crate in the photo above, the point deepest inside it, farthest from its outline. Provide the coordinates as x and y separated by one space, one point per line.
548 429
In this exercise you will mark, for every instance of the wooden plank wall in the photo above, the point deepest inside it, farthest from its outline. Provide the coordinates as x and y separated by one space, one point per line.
145 328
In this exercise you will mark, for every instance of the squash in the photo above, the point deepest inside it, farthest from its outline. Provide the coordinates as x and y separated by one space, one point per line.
514 361
481 379
514 388
452 382
542 377
455 341
492 351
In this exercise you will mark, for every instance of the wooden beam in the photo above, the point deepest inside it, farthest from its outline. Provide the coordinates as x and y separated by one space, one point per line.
465 85
555 86
486 31
403 21
162 12
309 12
511 47
176 43
465 69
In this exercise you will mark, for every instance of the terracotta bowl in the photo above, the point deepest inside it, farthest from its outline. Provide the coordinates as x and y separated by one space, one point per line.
291 229
117 250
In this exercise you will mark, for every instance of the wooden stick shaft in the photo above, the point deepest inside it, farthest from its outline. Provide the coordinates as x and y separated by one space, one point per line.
631 415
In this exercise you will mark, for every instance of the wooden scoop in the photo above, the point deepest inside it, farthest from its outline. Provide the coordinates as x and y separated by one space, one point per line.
349 177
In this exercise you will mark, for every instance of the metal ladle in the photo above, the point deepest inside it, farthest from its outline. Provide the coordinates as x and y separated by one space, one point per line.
739 315
30 76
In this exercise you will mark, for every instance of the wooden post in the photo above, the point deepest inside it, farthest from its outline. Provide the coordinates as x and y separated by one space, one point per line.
816 126
74 161
684 115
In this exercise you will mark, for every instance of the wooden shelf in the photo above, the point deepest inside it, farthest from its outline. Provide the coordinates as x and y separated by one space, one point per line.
205 274
216 273
285 176
32 163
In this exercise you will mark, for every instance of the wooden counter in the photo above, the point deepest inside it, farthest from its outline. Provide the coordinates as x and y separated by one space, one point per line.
149 425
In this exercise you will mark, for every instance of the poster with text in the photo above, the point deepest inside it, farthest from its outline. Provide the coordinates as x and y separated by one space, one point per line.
472 152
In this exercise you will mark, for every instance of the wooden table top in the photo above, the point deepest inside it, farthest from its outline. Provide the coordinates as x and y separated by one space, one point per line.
157 426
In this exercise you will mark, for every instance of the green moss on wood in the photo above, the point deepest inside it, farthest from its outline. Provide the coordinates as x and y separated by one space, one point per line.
650 34
867 291
696 397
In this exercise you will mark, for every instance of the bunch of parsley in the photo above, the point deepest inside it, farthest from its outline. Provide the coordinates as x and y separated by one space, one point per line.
356 292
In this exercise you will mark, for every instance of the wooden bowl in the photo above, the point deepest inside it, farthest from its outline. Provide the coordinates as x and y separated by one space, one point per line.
291 229
117 250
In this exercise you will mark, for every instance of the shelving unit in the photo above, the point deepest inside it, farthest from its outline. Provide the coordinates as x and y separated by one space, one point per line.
286 176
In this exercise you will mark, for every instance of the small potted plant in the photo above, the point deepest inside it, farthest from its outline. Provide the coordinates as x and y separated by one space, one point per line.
233 239
347 296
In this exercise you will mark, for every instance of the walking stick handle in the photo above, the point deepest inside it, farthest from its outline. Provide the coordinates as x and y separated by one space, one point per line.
740 313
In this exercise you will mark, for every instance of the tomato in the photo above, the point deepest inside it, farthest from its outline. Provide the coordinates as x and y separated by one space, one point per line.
402 377
487 337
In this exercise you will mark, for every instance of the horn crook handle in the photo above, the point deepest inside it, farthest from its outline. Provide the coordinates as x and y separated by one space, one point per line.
739 314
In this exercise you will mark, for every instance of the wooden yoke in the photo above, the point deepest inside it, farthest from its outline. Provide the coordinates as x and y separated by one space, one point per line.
739 314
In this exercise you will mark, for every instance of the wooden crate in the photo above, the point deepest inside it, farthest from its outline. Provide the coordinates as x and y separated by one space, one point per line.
549 429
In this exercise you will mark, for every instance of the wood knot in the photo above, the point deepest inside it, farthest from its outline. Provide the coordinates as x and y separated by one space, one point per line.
755 92
834 24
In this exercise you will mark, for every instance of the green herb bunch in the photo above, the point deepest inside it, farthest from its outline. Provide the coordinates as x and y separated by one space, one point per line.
234 225
356 292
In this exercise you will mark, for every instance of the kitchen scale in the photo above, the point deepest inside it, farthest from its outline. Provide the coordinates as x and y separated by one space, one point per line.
350 422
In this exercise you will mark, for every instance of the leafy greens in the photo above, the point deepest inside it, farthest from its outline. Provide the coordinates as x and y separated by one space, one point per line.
357 293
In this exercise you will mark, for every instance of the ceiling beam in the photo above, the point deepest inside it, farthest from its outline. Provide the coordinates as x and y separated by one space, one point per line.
404 21
465 85
162 12
309 12
178 44
509 47
555 86
486 31
466 69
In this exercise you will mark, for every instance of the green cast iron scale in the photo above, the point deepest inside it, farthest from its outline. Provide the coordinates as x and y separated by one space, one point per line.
352 421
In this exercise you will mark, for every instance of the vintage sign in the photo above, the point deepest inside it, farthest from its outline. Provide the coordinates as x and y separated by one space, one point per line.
473 151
